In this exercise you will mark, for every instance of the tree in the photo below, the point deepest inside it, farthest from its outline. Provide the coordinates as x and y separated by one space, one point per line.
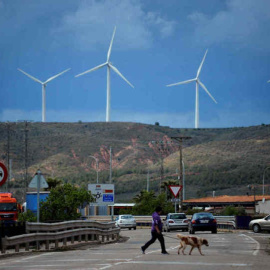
146 202
63 202
53 182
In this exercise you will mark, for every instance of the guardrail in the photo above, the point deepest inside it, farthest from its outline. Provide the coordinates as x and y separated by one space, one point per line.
223 222
62 232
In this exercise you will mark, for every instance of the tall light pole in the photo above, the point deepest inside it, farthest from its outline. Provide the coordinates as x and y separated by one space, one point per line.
184 184
263 176
96 165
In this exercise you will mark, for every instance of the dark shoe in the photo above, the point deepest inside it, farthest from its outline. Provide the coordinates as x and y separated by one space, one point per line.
142 250
165 253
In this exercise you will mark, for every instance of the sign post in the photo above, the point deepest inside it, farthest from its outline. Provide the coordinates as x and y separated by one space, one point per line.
38 182
3 174
175 189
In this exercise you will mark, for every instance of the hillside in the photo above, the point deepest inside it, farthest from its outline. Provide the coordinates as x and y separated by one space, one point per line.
224 160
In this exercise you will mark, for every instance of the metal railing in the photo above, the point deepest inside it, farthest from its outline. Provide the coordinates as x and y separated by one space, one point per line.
67 232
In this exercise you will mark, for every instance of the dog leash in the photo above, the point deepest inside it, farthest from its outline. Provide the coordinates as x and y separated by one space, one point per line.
170 237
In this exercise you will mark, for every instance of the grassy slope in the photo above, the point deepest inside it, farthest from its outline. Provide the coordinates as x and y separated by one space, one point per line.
225 160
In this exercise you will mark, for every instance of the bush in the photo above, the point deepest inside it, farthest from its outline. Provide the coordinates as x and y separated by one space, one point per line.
27 216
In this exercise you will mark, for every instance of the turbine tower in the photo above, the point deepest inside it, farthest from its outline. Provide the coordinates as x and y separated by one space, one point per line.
109 67
198 82
44 84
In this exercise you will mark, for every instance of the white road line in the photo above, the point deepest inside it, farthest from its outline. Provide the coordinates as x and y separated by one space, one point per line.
254 241
188 263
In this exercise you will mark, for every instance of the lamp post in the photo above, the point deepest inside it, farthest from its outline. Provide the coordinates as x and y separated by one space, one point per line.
96 165
263 176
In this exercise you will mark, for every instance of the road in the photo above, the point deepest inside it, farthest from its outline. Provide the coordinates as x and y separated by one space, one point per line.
239 250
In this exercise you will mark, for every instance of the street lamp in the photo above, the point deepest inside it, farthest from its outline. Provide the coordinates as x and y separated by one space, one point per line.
263 177
96 165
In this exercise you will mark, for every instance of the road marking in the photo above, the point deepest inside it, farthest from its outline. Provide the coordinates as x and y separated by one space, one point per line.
188 263
255 253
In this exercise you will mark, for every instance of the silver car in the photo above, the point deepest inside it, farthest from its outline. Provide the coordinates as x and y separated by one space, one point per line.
175 221
126 221
258 225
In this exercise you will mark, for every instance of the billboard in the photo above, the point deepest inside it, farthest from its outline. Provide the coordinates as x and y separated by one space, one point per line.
103 193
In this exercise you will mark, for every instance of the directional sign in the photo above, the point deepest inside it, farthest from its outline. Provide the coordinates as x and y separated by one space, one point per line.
3 174
34 182
103 193
175 190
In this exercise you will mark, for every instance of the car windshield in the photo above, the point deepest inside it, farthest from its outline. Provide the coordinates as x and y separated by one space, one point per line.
178 216
127 217
8 206
203 216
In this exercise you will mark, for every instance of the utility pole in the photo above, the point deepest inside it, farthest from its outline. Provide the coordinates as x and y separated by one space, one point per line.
8 154
110 165
25 156
180 139
161 150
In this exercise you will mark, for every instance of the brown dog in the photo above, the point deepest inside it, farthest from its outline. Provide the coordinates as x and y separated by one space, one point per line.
193 241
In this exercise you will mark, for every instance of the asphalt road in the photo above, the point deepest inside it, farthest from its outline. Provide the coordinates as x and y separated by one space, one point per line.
238 250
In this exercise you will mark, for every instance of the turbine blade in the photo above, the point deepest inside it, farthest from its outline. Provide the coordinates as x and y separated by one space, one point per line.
118 72
203 86
92 69
110 48
184 82
57 75
31 77
200 67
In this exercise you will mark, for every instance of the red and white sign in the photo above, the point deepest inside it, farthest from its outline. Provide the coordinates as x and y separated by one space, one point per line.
3 174
175 190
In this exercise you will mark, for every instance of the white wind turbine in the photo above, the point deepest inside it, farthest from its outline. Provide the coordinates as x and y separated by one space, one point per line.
109 67
198 82
44 84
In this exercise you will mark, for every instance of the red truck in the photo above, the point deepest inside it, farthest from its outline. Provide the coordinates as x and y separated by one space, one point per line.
9 208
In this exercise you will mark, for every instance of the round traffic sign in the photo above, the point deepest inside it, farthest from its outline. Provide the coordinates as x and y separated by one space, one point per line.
3 174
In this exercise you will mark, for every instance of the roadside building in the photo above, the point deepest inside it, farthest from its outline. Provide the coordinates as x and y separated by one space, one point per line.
217 204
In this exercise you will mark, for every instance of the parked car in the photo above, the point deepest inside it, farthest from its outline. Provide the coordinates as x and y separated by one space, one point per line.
258 225
125 221
175 221
202 222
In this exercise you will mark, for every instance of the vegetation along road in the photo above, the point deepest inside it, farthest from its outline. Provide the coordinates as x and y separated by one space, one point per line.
238 250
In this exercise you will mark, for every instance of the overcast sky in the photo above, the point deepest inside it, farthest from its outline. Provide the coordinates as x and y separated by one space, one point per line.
156 43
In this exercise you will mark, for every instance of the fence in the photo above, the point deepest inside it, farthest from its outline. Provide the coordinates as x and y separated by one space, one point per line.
65 232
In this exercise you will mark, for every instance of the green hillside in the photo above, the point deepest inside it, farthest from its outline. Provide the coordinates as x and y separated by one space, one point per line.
220 160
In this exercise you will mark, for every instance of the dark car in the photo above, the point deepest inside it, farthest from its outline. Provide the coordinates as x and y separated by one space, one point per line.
202 222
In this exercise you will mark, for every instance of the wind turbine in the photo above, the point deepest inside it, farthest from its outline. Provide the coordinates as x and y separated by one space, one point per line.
44 84
198 82
109 67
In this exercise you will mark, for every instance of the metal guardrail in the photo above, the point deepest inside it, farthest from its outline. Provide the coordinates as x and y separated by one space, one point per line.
223 222
63 231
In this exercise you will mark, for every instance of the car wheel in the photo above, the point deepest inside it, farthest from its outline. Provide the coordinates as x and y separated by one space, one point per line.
214 231
129 228
256 228
168 229
134 228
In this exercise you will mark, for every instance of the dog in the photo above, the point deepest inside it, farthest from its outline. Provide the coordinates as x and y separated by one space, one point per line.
193 241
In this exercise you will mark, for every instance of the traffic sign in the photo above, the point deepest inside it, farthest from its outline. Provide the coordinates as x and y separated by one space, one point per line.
34 182
175 189
102 193
3 174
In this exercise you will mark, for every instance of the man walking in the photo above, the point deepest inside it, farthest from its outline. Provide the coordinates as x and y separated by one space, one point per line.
156 232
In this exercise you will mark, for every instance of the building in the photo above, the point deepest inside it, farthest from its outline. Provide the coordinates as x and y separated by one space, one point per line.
218 203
